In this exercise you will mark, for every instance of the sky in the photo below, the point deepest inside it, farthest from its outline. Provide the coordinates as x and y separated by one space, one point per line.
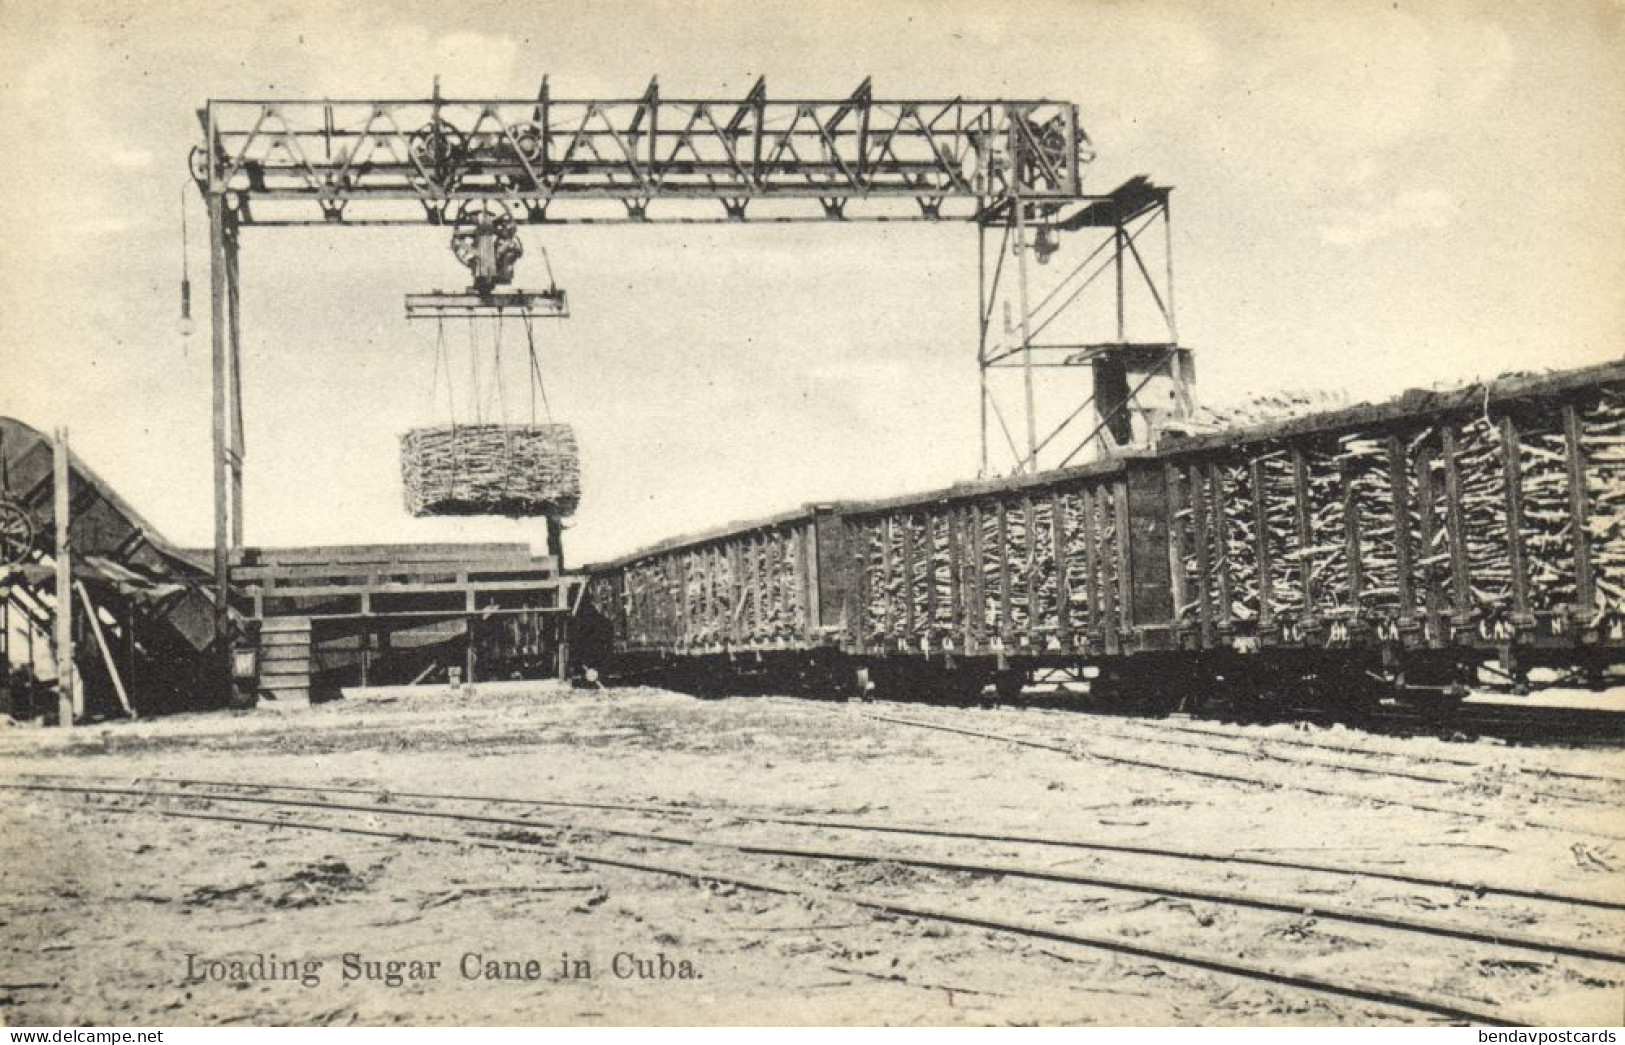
1367 197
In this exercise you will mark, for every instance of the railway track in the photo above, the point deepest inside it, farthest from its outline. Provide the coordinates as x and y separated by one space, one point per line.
1172 726
1515 724
1081 749
1368 762
1476 888
519 833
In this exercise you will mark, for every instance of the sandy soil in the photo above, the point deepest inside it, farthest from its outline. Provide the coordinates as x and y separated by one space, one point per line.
104 905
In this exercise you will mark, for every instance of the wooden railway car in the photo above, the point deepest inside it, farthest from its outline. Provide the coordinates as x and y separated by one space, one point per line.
1397 547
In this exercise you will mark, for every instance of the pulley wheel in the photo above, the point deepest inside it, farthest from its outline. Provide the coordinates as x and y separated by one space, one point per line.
16 533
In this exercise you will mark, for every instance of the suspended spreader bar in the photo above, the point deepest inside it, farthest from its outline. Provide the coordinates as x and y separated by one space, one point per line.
588 160
518 304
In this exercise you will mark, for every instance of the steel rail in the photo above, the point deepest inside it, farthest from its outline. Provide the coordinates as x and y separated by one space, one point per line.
1272 785
1446 1008
1152 737
1185 727
1192 855
1516 940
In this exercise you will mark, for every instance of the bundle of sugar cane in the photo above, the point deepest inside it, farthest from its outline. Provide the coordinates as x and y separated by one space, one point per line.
487 469
1047 578
872 552
1082 519
1240 541
1257 410
1479 465
785 612
940 569
695 571
915 541
1280 531
1548 517
1016 558
1603 445
724 589
1328 550
1372 497
1077 558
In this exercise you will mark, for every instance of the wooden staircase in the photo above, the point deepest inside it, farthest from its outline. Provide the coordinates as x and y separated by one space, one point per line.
285 656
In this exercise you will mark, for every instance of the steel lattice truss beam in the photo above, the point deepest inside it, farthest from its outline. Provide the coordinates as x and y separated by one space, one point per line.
548 160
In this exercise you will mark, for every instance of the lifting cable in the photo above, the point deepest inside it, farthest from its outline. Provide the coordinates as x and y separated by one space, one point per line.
552 284
442 361
474 370
501 402
487 394
498 397
536 383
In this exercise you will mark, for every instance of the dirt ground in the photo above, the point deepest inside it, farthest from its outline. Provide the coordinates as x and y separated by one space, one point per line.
108 906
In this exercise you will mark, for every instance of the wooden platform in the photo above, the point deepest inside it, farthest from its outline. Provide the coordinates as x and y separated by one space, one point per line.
345 596
425 580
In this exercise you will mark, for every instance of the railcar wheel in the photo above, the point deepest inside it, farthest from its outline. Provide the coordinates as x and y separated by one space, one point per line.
1009 684
962 684
1154 688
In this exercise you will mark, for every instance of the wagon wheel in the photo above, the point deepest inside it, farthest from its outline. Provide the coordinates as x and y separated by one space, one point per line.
16 533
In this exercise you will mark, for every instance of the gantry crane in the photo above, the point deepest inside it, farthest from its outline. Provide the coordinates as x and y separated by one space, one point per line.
1011 167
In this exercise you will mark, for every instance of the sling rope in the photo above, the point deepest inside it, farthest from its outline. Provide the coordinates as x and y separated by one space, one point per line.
487 390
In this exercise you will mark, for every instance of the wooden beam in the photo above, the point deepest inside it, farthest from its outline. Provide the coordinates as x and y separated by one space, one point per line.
1003 559
1351 537
69 702
1427 572
1091 566
736 587
467 556
1512 464
1399 497
930 564
888 614
1261 544
1063 584
107 652
909 623
1029 521
860 612
234 365
1306 538
806 579
977 619
219 448
1108 592
1204 553
1178 582
1221 543
1456 528
1579 509
1125 557
955 519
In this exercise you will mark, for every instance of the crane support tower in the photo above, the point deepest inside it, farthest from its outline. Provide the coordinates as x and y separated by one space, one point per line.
1012 167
